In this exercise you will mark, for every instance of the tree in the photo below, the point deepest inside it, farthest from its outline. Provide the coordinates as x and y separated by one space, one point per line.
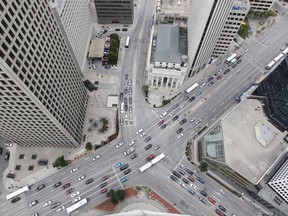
88 146
203 166
112 58
114 36
60 162
145 89
116 196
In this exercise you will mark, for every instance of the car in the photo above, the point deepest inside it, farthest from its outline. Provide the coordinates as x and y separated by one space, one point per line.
173 177
211 83
132 143
74 170
191 191
202 200
124 167
219 77
175 106
119 144
126 107
33 203
119 164
134 156
103 185
129 151
148 146
192 99
222 208
157 147
198 121
129 82
96 157
76 199
202 85
42 162
175 118
107 66
203 193
75 194
200 179
124 179
126 76
234 65
65 185
104 178
16 199
210 79
211 200
130 100
150 157
130 91
179 130
215 75
160 123
104 190
127 171
55 205
188 171
194 187
171 114
176 174
182 106
218 212
199 93
47 203
88 181
183 121
219 71
139 131
125 100
182 172
8 144
180 136
239 61
191 178
287 44
181 165
163 126
81 177
192 120
130 109
125 91
124 29
185 180
60 209
283 48
7 156
1 150
40 187
70 191
121 122
186 98
117 29
147 139
143 134
227 71
183 185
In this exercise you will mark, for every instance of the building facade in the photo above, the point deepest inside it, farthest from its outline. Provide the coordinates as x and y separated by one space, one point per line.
114 11
42 97
75 19
261 5
212 26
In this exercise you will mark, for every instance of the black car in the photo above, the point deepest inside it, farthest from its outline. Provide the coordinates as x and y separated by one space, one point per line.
182 121
15 200
125 91
173 177
7 156
189 171
126 76
227 71
234 65
124 167
88 181
147 138
211 83
127 171
40 187
182 172
121 96
179 130
66 185
175 118
204 193
125 100
176 174
57 184
222 208
239 61
134 156
126 107
200 179
192 99
1 151
103 184
163 126
148 146
42 162
185 180
55 205
210 78
124 29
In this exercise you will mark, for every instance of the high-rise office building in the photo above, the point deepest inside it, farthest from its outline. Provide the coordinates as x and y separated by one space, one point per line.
75 18
114 11
261 5
212 26
42 97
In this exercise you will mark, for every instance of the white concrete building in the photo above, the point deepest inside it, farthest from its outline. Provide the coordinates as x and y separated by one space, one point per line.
212 25
42 97
261 5
75 18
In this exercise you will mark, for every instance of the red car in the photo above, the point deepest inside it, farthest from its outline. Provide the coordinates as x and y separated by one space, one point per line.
150 157
191 178
219 212
66 185
219 77
104 190
160 123
105 178
211 200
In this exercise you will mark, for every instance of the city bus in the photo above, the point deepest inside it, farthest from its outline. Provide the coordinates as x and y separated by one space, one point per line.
190 89
270 65
229 60
17 192
127 42
76 205
157 159
145 167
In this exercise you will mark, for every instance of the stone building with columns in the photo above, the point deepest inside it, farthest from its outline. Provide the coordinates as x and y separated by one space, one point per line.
166 66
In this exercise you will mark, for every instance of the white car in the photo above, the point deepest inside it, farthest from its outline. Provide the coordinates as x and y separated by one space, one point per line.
202 85
192 120
139 131
96 157
81 177
143 134
47 203
182 106
132 143
8 144
75 194
119 144
172 113
181 165
183 185
60 209
76 199
74 170
194 187
33 203
198 121
180 136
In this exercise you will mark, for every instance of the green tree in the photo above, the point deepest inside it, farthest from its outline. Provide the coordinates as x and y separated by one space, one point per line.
203 166
116 196
145 89
112 58
60 162
88 146
114 36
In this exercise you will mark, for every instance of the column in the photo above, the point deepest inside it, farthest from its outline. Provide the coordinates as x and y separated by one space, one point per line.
162 81
157 81
167 81
173 80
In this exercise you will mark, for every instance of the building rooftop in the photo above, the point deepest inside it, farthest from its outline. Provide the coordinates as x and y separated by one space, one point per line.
167 49
251 142
96 48
175 7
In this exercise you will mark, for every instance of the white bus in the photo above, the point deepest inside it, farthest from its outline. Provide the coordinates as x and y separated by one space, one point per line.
76 205
127 42
145 167
158 158
285 51
17 192
278 57
194 86
228 61
270 65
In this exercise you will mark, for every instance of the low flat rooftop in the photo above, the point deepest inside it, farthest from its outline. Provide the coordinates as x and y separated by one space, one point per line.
175 7
251 142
